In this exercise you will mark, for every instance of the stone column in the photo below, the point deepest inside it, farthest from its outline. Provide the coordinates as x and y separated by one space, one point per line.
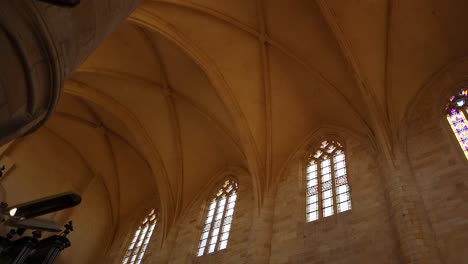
162 250
41 45
408 213
262 231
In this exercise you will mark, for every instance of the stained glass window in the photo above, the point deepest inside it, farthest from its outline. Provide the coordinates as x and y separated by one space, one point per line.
218 220
457 111
327 189
136 249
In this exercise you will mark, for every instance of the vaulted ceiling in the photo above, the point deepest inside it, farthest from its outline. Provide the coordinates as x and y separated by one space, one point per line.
197 86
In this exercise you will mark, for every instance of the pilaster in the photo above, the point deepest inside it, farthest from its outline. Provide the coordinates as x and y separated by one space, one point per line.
408 213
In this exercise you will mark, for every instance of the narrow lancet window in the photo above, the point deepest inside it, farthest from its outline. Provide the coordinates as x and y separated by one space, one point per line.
457 111
218 220
141 238
327 189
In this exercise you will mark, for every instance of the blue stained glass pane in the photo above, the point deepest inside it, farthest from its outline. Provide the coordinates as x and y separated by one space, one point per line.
326 185
312 190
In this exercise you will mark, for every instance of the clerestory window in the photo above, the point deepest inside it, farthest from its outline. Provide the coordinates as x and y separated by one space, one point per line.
457 111
218 220
327 189
139 243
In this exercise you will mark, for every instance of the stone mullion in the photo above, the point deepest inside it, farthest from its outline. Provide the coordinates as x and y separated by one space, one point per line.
144 239
210 231
221 224
143 236
147 235
142 228
319 188
129 251
332 171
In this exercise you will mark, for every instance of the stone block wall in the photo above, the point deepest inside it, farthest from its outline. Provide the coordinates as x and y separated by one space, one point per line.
361 235
440 171
189 231
370 232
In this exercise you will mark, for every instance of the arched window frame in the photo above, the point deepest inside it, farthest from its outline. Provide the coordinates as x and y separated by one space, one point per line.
212 240
315 206
456 112
141 238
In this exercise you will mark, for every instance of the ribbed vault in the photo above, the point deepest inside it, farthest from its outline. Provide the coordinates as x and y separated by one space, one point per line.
186 92
202 85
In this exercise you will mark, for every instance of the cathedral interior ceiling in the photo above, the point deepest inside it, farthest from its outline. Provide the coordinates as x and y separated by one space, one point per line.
187 88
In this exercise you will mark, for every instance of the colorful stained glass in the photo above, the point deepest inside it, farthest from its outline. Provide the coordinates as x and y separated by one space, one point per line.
141 238
326 171
459 124
215 233
456 116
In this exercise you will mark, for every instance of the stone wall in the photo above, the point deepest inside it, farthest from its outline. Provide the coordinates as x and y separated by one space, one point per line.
440 171
361 235
182 240
371 232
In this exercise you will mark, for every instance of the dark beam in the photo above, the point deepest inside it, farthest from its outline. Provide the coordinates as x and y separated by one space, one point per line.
64 3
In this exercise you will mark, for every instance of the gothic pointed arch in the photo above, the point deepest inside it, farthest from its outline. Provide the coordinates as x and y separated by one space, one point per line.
327 188
141 238
215 233
456 114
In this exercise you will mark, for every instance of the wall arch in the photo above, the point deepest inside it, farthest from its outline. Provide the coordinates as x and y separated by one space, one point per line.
315 137
166 196
438 165
190 224
330 237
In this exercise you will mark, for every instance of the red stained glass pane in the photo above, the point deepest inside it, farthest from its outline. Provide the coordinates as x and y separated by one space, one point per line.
341 180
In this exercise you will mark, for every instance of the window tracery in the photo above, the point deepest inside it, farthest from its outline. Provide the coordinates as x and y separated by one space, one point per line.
136 249
218 219
327 189
457 111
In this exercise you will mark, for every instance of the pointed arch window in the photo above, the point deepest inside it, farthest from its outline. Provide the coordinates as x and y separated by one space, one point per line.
136 249
218 219
327 189
457 110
